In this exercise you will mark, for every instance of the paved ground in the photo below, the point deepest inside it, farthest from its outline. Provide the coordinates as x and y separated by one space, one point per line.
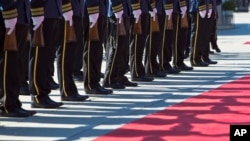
101 114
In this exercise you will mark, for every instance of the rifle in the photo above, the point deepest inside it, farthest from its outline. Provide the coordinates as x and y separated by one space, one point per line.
10 41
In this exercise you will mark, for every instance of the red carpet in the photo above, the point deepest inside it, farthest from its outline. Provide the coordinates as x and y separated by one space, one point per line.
205 117
248 42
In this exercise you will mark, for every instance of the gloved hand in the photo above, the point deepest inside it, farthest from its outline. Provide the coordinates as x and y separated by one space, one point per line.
183 11
10 24
37 21
169 13
153 13
118 16
203 13
209 13
93 19
68 17
137 14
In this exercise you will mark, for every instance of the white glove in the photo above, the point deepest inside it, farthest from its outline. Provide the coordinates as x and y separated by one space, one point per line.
68 17
183 11
37 21
118 16
209 13
203 13
10 24
137 14
153 13
93 19
169 13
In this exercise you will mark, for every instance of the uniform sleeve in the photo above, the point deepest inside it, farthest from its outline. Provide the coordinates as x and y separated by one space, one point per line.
183 3
9 9
153 3
92 6
66 6
37 8
168 4
135 4
210 5
201 5
117 5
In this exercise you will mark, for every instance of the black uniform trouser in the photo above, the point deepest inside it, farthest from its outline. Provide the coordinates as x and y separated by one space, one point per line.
10 67
187 49
213 37
179 40
141 42
66 55
152 65
205 55
78 62
25 63
41 58
93 56
166 51
199 33
123 51
117 62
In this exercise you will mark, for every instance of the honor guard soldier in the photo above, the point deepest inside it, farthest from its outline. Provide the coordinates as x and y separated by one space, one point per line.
141 42
157 43
214 18
155 39
78 7
67 51
117 63
93 51
49 17
180 30
166 52
14 25
199 20
113 77
210 17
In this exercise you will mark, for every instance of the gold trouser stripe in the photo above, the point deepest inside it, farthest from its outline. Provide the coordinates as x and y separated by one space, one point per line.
4 80
88 63
163 44
150 46
176 40
195 39
202 59
34 74
63 59
113 61
135 56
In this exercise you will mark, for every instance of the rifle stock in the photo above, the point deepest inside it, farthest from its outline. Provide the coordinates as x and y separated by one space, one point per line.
121 31
184 21
169 23
137 27
38 39
155 24
10 41
93 33
70 33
